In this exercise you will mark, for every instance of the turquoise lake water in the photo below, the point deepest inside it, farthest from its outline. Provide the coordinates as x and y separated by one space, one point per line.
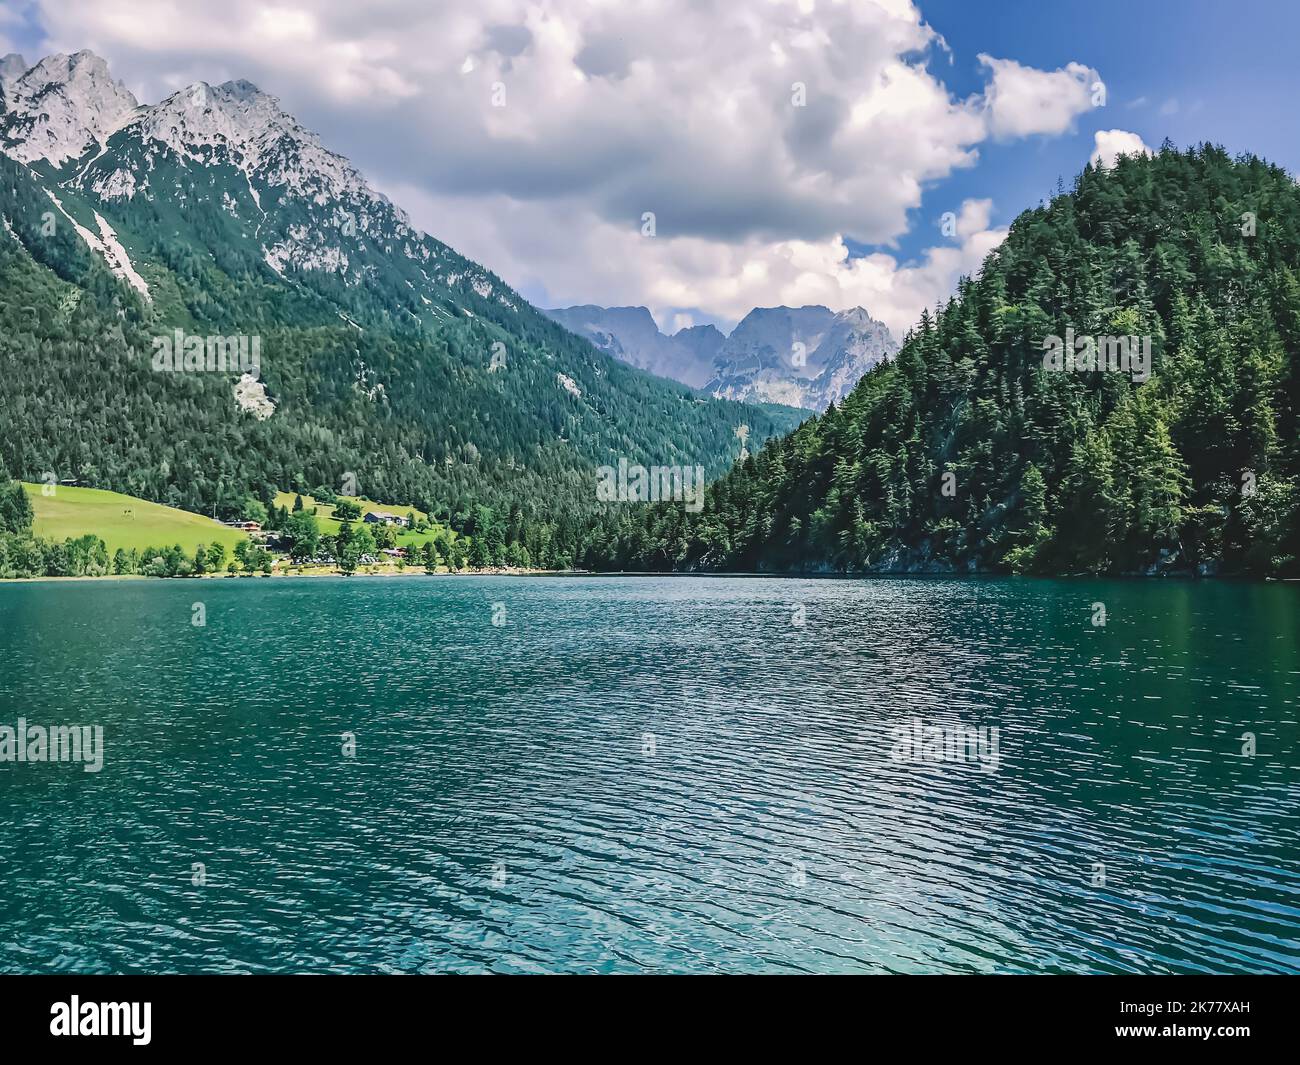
634 774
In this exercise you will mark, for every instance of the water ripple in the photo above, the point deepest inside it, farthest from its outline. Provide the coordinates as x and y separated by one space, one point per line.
643 774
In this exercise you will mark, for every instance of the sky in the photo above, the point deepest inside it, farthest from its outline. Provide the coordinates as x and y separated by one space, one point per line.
703 157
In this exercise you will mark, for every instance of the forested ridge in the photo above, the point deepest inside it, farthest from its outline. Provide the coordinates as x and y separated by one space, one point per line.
409 405
967 454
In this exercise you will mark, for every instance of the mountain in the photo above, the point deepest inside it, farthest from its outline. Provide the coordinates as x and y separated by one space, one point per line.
12 68
805 357
800 356
57 109
631 335
384 354
1172 444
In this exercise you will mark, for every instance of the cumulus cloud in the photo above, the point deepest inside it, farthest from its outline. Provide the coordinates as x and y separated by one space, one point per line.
533 136
1110 144
1023 101
569 255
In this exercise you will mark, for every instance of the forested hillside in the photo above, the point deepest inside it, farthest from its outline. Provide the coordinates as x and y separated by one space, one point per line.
396 367
966 453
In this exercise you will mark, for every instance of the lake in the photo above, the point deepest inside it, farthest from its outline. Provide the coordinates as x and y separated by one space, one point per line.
677 774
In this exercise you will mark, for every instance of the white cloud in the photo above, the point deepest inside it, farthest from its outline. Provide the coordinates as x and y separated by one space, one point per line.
561 254
1109 144
685 108
1023 101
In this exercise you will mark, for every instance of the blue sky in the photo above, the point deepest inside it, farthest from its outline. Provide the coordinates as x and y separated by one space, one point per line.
1189 70
683 108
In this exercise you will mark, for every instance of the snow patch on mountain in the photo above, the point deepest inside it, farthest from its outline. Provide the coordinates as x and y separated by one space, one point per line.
108 246
117 258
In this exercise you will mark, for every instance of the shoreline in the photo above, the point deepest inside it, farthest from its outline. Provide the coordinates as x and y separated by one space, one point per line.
411 571
415 571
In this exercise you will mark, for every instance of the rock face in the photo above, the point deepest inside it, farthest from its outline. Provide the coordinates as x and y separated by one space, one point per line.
230 148
799 356
630 334
12 67
61 107
250 394
233 148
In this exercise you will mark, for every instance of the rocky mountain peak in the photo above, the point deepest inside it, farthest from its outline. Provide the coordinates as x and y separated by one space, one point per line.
61 107
806 356
307 207
12 67
235 115
239 124
631 335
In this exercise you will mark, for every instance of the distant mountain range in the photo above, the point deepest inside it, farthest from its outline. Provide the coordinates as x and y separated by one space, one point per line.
805 357
384 354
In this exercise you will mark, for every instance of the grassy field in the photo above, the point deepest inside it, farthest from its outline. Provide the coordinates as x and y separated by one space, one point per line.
122 521
127 522
330 526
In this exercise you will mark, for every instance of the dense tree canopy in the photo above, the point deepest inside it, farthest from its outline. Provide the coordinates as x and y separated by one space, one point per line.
966 452
408 404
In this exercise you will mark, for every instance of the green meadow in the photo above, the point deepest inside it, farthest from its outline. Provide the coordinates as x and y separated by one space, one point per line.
127 522
122 520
